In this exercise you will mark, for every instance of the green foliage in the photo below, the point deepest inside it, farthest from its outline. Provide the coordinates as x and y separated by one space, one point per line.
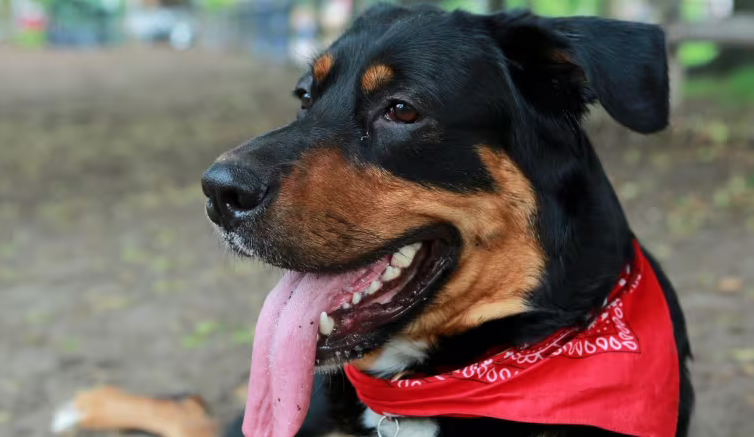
553 7
29 38
736 89
558 7
216 5
693 54
466 5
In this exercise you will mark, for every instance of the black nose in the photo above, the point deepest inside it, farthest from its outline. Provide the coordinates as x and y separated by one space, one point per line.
232 192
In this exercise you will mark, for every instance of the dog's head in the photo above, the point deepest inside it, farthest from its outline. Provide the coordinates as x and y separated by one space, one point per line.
434 175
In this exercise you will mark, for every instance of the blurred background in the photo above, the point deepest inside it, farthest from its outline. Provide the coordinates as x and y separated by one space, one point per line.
111 109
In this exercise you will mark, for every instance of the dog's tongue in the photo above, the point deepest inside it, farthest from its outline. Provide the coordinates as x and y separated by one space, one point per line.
282 362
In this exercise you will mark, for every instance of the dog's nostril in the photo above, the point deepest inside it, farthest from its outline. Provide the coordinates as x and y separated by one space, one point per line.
213 212
240 201
246 201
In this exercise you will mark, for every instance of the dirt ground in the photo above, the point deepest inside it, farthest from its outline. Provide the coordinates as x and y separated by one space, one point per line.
110 274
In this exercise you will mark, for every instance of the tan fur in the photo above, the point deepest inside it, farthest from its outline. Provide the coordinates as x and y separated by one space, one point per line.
343 211
322 66
375 76
109 408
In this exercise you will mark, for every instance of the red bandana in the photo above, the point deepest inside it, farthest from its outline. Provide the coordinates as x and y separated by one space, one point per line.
620 374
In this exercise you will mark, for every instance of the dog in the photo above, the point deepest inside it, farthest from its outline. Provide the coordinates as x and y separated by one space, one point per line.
457 262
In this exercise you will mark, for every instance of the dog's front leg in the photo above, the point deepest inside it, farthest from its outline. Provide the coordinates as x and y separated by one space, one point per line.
112 409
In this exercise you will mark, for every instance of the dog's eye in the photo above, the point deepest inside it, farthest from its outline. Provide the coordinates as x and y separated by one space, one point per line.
305 97
402 112
306 101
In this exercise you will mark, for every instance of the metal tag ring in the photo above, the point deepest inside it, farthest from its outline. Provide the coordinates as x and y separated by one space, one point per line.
397 426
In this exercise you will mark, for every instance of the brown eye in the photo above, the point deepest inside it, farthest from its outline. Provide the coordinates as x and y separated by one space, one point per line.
306 100
402 112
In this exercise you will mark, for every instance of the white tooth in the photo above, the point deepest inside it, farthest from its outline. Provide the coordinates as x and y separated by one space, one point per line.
346 306
326 324
373 287
408 252
356 298
400 260
390 273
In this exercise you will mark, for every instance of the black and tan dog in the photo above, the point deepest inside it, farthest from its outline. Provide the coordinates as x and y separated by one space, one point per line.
437 201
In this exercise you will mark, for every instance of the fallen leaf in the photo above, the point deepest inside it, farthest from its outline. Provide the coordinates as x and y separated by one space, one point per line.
748 369
730 284
743 355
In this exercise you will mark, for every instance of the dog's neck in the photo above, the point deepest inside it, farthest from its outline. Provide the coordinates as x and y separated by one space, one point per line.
586 251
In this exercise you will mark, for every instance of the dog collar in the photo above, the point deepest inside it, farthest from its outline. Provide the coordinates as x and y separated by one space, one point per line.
619 374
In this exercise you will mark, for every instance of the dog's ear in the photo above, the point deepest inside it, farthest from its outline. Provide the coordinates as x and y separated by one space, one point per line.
563 64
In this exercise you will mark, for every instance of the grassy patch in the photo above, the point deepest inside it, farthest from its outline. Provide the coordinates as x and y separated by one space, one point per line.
734 90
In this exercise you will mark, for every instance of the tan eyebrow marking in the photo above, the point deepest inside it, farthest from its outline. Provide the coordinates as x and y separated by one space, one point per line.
322 67
375 76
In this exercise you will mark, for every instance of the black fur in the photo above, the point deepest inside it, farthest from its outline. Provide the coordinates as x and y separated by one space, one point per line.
520 83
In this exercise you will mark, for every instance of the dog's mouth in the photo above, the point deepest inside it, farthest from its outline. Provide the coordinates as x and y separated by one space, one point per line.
380 296
313 320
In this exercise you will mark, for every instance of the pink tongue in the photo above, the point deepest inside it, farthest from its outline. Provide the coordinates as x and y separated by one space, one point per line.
282 362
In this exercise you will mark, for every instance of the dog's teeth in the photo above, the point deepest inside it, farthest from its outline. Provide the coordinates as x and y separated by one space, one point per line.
405 256
356 298
399 259
390 273
373 287
326 324
346 306
410 251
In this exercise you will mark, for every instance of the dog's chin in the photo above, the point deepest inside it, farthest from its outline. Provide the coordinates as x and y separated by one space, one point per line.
393 285
232 241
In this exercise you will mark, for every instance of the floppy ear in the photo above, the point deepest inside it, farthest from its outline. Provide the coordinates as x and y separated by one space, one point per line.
566 63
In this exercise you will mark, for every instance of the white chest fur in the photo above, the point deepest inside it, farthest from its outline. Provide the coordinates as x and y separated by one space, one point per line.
408 427
396 356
